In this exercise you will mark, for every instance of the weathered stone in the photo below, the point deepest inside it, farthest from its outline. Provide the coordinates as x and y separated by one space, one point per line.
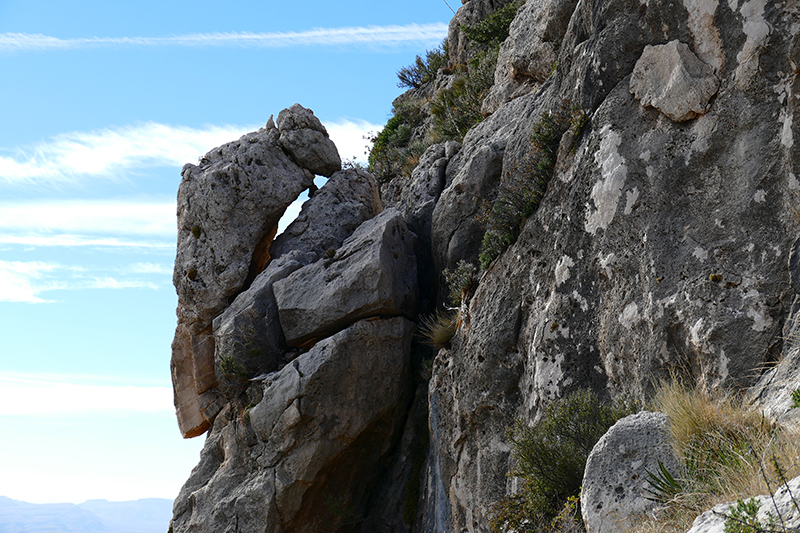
672 79
248 334
228 212
326 423
613 493
530 54
782 504
306 141
346 200
456 232
469 14
658 247
374 273
773 392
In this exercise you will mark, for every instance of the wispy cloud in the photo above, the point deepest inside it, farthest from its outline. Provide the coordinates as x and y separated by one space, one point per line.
392 35
37 395
112 152
95 217
26 281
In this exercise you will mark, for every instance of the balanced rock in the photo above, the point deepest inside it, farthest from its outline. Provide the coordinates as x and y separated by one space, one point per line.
374 273
672 79
615 480
306 140
228 212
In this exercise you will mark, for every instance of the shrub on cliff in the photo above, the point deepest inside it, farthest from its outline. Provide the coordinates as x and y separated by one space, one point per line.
521 190
424 70
550 459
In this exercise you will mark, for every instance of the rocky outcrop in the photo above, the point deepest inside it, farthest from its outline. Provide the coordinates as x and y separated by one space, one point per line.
663 245
306 456
613 493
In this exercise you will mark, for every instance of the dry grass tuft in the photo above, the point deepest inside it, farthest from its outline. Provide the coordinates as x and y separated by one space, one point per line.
438 330
729 451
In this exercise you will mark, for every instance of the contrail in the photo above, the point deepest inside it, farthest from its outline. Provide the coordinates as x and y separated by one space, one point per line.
369 35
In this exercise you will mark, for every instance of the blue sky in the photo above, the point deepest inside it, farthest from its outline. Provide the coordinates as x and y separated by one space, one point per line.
103 103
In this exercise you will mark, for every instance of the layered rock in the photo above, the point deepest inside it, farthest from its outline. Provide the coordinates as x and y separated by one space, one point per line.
248 336
374 273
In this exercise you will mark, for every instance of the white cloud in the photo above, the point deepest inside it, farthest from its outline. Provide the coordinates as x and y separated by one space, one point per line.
371 35
25 281
36 395
348 135
22 281
89 217
110 152
149 268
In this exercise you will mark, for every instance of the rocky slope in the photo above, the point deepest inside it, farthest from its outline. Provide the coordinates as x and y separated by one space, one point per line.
664 244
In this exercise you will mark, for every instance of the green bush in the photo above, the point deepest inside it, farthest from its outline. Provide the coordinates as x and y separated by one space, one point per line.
394 151
424 69
457 108
461 282
494 28
551 457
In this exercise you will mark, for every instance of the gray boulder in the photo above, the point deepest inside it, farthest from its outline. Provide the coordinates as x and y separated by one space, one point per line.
305 457
373 274
306 141
614 487
672 79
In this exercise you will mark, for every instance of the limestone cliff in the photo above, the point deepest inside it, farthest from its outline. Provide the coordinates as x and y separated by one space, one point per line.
664 242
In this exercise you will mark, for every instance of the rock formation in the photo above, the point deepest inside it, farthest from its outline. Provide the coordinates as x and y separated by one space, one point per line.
664 244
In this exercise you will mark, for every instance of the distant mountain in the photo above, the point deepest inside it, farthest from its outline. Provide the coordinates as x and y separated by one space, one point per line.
150 515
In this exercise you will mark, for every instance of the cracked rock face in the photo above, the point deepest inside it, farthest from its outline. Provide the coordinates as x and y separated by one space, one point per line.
374 273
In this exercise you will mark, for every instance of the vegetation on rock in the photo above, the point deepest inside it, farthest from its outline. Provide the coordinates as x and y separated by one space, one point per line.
550 459
521 190
728 449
